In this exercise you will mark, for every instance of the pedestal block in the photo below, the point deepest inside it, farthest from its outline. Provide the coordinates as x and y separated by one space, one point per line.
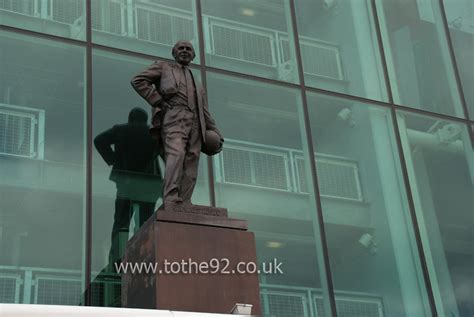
195 257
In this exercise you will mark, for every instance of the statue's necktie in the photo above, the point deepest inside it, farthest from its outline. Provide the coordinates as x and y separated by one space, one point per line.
189 87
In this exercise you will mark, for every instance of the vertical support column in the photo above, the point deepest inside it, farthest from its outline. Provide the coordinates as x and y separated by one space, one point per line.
441 286
309 151
87 250
410 275
202 59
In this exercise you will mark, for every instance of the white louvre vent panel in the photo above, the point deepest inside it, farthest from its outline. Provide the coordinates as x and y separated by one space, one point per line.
16 135
163 27
284 304
26 7
357 307
52 291
257 168
67 11
318 58
242 44
8 289
237 165
108 16
336 178
270 170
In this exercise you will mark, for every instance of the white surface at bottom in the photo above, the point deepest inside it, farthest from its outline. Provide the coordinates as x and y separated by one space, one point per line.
23 310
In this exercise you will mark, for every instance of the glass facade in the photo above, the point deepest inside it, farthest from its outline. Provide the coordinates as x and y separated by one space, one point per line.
373 95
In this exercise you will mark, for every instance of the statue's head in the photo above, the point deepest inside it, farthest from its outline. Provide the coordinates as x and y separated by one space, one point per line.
183 52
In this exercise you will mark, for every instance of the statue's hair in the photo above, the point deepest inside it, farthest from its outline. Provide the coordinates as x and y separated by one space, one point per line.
175 48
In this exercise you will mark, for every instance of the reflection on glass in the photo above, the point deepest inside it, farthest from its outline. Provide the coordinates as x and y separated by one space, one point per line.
373 253
65 18
145 26
440 163
113 99
41 171
132 152
261 176
339 47
460 16
419 63
252 37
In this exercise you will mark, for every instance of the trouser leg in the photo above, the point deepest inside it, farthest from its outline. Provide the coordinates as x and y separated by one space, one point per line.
122 216
191 161
175 132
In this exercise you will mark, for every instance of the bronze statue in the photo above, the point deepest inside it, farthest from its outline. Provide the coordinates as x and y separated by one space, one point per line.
181 121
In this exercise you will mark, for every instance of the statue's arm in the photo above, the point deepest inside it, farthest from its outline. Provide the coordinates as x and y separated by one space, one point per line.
103 143
143 84
210 122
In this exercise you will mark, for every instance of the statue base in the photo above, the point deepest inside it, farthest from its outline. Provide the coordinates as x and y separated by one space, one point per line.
192 260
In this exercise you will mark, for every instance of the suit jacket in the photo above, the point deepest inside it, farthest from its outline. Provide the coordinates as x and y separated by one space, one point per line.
159 83
134 156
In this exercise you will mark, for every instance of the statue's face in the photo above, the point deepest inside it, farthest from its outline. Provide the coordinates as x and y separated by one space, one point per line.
184 53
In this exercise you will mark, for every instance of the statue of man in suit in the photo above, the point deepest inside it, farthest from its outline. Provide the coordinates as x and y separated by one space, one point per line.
181 121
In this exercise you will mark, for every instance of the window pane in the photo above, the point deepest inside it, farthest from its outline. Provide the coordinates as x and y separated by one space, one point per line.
64 18
339 47
136 188
262 176
420 67
145 26
252 37
460 16
371 243
440 162
41 171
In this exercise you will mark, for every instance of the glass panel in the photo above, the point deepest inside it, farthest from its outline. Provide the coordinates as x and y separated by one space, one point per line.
252 37
145 26
339 47
42 172
440 162
373 254
261 176
65 18
418 58
460 16
134 188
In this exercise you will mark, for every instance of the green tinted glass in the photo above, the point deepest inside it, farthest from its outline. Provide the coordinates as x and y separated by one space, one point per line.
150 27
262 176
42 175
252 37
460 16
65 18
339 47
372 249
440 163
417 52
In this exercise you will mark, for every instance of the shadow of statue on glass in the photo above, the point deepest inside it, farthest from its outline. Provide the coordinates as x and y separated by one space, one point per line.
133 154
